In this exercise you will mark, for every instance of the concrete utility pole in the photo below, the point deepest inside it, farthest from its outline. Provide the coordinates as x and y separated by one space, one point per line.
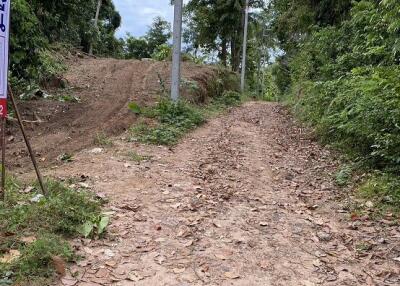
176 56
96 20
246 25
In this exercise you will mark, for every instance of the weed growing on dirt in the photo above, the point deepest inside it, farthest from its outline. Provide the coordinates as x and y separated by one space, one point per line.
173 121
134 156
384 191
65 157
343 176
176 119
101 139
228 98
35 260
33 228
68 98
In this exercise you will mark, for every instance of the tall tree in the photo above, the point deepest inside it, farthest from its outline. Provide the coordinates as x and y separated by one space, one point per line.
159 34
217 26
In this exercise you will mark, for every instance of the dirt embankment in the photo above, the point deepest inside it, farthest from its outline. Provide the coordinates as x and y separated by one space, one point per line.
104 87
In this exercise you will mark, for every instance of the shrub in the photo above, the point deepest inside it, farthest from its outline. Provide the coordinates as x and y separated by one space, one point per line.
229 98
360 113
384 191
174 120
162 53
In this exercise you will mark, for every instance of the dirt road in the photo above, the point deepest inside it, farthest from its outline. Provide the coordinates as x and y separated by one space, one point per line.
248 199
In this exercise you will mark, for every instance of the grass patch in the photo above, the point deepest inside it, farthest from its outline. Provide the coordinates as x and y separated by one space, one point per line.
344 175
101 139
135 157
35 261
174 120
34 229
383 190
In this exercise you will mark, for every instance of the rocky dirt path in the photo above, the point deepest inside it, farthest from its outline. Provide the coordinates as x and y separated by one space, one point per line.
247 199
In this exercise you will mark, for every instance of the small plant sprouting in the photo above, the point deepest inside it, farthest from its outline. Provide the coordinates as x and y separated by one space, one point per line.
134 156
101 139
343 176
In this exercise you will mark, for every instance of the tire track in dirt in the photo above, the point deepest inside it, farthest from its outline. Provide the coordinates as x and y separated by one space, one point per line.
247 199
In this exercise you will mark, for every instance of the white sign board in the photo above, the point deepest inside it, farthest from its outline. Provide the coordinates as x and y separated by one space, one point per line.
4 37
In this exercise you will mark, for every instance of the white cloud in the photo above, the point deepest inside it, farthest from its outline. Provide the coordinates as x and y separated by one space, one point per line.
137 15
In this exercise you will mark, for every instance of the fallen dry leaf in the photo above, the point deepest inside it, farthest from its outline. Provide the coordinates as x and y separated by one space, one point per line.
69 282
135 276
111 263
188 243
221 256
11 256
231 275
179 270
102 273
59 265
27 190
28 239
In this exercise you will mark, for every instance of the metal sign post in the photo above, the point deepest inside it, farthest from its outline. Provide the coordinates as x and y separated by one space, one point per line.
4 36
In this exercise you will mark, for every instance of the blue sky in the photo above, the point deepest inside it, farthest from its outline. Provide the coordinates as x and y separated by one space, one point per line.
137 15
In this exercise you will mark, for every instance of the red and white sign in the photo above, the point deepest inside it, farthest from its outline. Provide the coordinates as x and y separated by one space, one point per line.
4 37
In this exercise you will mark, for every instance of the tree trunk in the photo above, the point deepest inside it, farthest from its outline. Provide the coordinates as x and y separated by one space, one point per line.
224 52
96 20
234 55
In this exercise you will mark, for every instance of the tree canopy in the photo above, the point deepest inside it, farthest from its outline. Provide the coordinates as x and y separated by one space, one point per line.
339 64
216 26
38 24
159 34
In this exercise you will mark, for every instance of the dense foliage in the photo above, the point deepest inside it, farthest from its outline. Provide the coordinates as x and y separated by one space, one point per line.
216 27
154 42
38 25
341 66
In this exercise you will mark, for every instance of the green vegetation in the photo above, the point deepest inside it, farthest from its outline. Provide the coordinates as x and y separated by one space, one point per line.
34 229
134 156
174 120
41 29
101 139
36 260
342 77
216 27
384 191
154 43
343 176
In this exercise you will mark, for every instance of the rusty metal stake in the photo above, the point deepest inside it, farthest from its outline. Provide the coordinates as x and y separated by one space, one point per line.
28 144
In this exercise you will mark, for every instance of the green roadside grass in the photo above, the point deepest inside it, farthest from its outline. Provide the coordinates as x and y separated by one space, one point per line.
170 121
34 230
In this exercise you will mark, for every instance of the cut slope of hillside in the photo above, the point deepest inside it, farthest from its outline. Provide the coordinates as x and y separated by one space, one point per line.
104 87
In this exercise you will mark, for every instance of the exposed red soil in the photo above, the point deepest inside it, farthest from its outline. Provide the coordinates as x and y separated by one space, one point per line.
105 87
